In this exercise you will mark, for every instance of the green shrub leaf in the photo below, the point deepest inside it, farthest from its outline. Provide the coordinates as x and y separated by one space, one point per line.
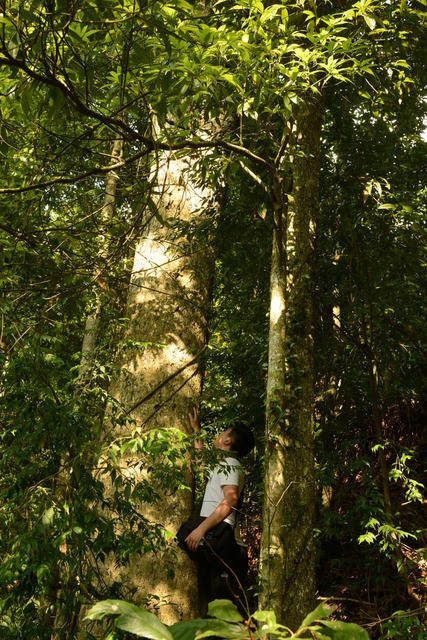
319 613
224 610
344 630
267 617
198 628
132 619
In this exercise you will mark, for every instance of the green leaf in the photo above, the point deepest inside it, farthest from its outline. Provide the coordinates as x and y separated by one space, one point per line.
103 608
47 517
368 537
370 21
144 624
13 46
42 571
230 78
224 610
268 617
322 611
270 12
344 630
156 213
198 628
187 630
131 618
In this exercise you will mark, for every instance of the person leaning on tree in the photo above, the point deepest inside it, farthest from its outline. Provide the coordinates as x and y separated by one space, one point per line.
212 542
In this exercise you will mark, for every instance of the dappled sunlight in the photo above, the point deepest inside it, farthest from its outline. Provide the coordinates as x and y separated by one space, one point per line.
276 546
150 254
277 306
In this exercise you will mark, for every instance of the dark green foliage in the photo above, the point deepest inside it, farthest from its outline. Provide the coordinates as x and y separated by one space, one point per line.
235 380
370 355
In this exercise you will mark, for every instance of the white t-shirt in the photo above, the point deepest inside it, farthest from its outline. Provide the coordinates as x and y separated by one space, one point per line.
228 472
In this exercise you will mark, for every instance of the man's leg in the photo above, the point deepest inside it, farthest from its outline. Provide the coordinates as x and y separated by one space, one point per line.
228 576
204 582
212 577
220 585
222 560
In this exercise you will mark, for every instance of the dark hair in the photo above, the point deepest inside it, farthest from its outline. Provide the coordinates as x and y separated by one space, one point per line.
243 439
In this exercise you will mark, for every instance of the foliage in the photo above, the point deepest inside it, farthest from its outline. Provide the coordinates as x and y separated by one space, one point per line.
225 621
226 77
370 241
403 625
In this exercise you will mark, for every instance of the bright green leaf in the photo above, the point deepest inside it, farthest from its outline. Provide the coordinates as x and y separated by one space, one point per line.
322 611
224 610
131 618
344 630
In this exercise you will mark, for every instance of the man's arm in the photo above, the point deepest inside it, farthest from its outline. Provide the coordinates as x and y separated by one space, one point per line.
194 418
231 498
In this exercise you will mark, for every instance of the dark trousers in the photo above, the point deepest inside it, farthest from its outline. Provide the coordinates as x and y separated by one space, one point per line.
222 563
222 567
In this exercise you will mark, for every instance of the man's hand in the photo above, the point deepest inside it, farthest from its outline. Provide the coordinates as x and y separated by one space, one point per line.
231 497
194 418
193 539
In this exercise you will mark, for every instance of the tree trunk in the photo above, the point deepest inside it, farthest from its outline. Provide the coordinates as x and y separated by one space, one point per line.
90 336
272 544
168 302
287 552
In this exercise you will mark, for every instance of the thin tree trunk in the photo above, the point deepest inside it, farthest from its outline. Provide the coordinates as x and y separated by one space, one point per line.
377 412
93 319
272 544
287 550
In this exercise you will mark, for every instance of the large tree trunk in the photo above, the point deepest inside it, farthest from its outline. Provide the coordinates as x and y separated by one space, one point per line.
168 301
287 553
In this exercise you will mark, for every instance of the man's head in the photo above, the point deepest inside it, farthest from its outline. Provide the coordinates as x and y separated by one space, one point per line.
238 438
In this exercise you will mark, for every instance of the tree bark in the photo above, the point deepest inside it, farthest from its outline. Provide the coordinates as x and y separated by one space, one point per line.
272 544
168 304
287 550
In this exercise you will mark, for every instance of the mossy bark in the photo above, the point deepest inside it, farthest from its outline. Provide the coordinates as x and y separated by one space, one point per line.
287 550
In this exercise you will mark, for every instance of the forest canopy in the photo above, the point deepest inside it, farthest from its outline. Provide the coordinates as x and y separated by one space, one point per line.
218 204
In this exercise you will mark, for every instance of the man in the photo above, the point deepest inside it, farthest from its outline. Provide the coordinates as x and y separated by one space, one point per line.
219 555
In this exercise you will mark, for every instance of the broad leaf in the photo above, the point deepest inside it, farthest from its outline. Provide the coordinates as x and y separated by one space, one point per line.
107 607
267 617
143 624
131 618
203 628
319 613
224 610
344 630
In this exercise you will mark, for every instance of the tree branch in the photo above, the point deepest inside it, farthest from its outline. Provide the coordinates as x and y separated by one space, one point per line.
118 124
254 177
75 179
